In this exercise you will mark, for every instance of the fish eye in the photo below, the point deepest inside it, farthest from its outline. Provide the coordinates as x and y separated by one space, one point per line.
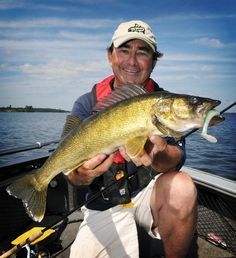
195 100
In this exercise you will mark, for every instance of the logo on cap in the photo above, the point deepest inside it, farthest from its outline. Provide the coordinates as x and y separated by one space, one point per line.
137 28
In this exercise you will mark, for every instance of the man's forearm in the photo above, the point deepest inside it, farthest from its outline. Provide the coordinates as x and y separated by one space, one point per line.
168 159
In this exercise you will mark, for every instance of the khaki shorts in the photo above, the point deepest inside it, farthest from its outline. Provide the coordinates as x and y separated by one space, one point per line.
113 232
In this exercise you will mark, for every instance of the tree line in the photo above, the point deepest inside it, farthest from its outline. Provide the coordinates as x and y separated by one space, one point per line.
29 109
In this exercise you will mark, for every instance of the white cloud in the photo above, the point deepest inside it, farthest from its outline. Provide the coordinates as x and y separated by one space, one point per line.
63 69
42 51
192 16
197 58
207 68
11 4
48 5
210 42
84 37
211 77
186 68
57 22
3 66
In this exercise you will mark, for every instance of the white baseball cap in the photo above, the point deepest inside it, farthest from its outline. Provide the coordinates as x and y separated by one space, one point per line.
135 29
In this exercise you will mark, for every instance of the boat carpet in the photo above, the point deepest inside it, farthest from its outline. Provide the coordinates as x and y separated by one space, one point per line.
216 219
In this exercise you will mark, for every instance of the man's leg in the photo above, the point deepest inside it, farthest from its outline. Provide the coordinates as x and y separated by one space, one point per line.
110 233
174 211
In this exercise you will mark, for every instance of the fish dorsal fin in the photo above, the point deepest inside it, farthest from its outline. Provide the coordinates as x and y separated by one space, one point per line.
123 92
71 122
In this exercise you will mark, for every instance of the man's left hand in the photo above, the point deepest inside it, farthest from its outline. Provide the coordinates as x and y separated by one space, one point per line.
154 145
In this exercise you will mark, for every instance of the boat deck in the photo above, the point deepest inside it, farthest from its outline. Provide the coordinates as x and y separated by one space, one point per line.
216 206
200 247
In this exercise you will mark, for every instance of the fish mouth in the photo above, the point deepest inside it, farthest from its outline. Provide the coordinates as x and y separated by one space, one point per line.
208 105
216 120
211 106
215 103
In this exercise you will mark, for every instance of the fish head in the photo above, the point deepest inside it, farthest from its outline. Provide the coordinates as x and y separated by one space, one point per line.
181 113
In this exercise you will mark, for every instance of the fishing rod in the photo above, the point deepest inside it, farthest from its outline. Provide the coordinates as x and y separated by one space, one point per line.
227 108
39 233
37 145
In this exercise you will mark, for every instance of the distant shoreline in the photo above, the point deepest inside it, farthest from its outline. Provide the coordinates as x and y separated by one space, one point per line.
10 109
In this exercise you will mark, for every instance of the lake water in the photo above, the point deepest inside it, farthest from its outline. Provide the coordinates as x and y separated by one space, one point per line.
20 129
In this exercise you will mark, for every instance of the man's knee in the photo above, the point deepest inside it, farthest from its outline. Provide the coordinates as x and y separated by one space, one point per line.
178 192
183 193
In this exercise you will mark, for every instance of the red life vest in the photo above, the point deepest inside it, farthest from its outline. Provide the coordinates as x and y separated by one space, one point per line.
104 88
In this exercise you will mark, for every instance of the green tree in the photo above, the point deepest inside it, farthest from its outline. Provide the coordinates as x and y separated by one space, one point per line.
28 108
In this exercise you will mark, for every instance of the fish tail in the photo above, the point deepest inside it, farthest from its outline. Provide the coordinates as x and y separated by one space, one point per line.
32 194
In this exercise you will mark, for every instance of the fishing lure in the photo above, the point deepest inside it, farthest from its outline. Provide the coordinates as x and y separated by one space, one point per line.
208 118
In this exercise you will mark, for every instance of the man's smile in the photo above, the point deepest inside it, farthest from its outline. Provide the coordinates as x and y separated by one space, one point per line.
132 71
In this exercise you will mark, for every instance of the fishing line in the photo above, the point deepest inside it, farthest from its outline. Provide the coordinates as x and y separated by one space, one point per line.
227 108
92 198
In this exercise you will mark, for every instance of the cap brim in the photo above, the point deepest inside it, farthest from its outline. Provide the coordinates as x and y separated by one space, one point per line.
121 40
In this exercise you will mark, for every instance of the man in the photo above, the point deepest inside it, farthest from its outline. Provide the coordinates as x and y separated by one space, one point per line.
158 197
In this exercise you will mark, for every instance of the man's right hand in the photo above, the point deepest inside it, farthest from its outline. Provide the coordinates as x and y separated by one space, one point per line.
89 170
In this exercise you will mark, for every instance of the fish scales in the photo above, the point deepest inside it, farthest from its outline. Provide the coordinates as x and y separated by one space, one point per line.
128 122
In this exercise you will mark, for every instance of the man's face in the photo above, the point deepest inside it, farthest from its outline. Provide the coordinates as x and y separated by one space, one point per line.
132 62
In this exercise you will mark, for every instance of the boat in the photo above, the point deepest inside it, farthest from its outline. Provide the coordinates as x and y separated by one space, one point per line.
215 234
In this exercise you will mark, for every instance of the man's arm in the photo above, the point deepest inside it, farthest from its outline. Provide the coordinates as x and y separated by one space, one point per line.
163 157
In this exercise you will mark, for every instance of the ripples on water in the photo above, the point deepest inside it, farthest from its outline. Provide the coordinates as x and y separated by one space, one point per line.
20 129
218 158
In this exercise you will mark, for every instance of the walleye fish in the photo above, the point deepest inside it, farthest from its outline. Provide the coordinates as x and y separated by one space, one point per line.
128 116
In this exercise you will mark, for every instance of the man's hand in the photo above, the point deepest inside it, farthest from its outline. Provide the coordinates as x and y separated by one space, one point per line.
154 147
92 168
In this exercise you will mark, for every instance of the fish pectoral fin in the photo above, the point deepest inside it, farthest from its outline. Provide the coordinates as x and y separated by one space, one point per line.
135 146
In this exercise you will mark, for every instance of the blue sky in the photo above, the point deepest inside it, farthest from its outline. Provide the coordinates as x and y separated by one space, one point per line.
53 51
